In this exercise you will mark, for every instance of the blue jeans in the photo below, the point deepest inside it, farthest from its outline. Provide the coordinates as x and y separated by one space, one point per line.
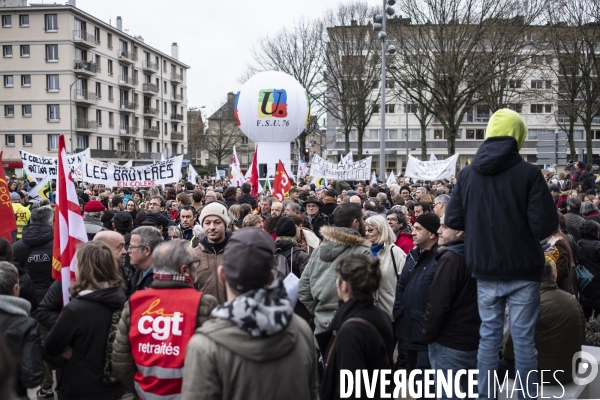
444 359
523 299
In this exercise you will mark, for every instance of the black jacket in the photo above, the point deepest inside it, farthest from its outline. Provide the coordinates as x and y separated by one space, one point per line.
587 181
230 202
588 255
83 324
297 259
21 335
34 252
247 199
411 298
319 221
505 208
452 317
328 208
140 282
357 345
50 306
26 288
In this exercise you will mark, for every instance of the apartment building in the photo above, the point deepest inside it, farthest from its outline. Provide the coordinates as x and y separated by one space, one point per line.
66 72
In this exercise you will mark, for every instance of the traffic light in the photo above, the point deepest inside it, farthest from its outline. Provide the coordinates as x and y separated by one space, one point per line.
306 154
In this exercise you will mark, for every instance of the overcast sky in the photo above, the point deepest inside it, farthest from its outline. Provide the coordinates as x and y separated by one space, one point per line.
215 37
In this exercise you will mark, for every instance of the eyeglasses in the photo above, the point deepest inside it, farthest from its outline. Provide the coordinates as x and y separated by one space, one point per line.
137 247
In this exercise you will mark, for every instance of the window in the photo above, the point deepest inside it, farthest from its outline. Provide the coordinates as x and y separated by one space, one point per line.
24 20
99 143
97 35
390 108
7 51
111 120
8 81
389 84
111 144
165 87
165 131
26 110
578 134
174 128
51 23
27 139
548 84
53 112
110 68
440 134
548 108
537 84
410 108
110 94
515 84
52 142
24 50
51 52
109 41
541 108
157 147
98 90
475 134
516 107
99 117
82 141
392 134
9 111
164 65
413 134
7 21
52 83
9 140
26 80
533 37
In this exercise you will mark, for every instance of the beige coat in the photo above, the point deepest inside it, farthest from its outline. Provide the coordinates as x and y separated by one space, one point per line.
224 362
207 278
389 276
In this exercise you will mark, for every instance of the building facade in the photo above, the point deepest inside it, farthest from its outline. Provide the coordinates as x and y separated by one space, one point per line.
66 72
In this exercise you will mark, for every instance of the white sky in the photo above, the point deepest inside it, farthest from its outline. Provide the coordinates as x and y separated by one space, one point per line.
215 37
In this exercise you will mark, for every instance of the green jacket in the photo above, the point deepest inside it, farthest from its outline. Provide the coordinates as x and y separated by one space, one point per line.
224 362
316 288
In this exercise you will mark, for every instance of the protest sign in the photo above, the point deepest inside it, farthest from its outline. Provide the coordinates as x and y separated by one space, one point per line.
109 174
431 170
37 166
353 171
42 190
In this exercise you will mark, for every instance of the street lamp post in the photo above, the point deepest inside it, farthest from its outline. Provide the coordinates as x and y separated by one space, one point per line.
406 113
71 111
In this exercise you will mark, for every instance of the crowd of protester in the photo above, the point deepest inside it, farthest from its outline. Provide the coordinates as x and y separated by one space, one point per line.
178 293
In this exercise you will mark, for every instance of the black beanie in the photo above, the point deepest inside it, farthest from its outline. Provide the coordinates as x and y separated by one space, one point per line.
431 222
285 227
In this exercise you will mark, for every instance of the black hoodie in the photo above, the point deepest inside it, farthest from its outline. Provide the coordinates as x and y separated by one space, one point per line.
83 325
505 208
34 252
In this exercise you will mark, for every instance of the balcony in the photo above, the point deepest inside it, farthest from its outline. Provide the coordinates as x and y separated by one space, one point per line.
150 111
125 154
149 66
87 68
153 132
128 106
476 119
128 81
177 117
176 77
150 87
128 130
176 136
85 39
102 154
176 98
150 156
127 56
84 125
83 96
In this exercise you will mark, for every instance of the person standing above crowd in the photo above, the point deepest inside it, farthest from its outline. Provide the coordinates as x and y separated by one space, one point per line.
172 291
254 335
506 259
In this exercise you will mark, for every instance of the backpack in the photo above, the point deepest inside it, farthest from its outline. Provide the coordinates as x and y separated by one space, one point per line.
281 267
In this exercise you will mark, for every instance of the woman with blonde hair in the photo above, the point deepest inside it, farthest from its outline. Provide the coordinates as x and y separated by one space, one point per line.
392 259
80 334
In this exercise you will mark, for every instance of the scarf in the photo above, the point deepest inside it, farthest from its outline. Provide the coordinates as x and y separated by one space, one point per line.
14 305
375 249
174 277
260 312
287 239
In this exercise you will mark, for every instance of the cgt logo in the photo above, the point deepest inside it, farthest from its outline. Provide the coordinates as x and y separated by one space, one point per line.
272 103
154 321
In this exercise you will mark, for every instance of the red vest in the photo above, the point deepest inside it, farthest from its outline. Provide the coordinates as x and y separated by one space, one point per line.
162 323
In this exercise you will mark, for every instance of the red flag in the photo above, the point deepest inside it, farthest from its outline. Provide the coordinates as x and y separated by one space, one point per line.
69 230
254 174
7 214
281 184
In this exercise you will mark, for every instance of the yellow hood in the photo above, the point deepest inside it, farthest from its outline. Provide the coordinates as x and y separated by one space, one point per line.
506 122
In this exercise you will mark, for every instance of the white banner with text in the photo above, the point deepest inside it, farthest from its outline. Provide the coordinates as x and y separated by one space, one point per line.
109 174
431 170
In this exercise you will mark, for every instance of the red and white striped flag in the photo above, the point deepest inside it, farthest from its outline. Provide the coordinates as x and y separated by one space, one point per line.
69 230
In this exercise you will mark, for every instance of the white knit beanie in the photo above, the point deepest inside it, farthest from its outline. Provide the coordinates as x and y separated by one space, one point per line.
215 208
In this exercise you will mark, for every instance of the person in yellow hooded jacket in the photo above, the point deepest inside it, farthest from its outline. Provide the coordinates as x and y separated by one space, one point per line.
22 213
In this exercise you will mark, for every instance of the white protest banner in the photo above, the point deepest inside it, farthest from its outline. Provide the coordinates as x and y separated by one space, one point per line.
431 170
354 171
392 179
37 166
109 174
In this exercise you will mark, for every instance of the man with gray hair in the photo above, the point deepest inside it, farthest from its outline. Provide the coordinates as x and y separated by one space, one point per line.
573 217
139 338
291 208
420 192
20 332
439 204
141 245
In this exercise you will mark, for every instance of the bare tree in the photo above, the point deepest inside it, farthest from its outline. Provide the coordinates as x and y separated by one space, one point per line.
222 133
195 134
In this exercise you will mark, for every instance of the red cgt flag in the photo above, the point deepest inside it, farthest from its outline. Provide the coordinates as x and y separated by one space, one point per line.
69 230
7 215
254 174
281 184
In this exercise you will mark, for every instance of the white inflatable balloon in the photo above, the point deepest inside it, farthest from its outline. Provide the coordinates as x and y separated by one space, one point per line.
272 107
